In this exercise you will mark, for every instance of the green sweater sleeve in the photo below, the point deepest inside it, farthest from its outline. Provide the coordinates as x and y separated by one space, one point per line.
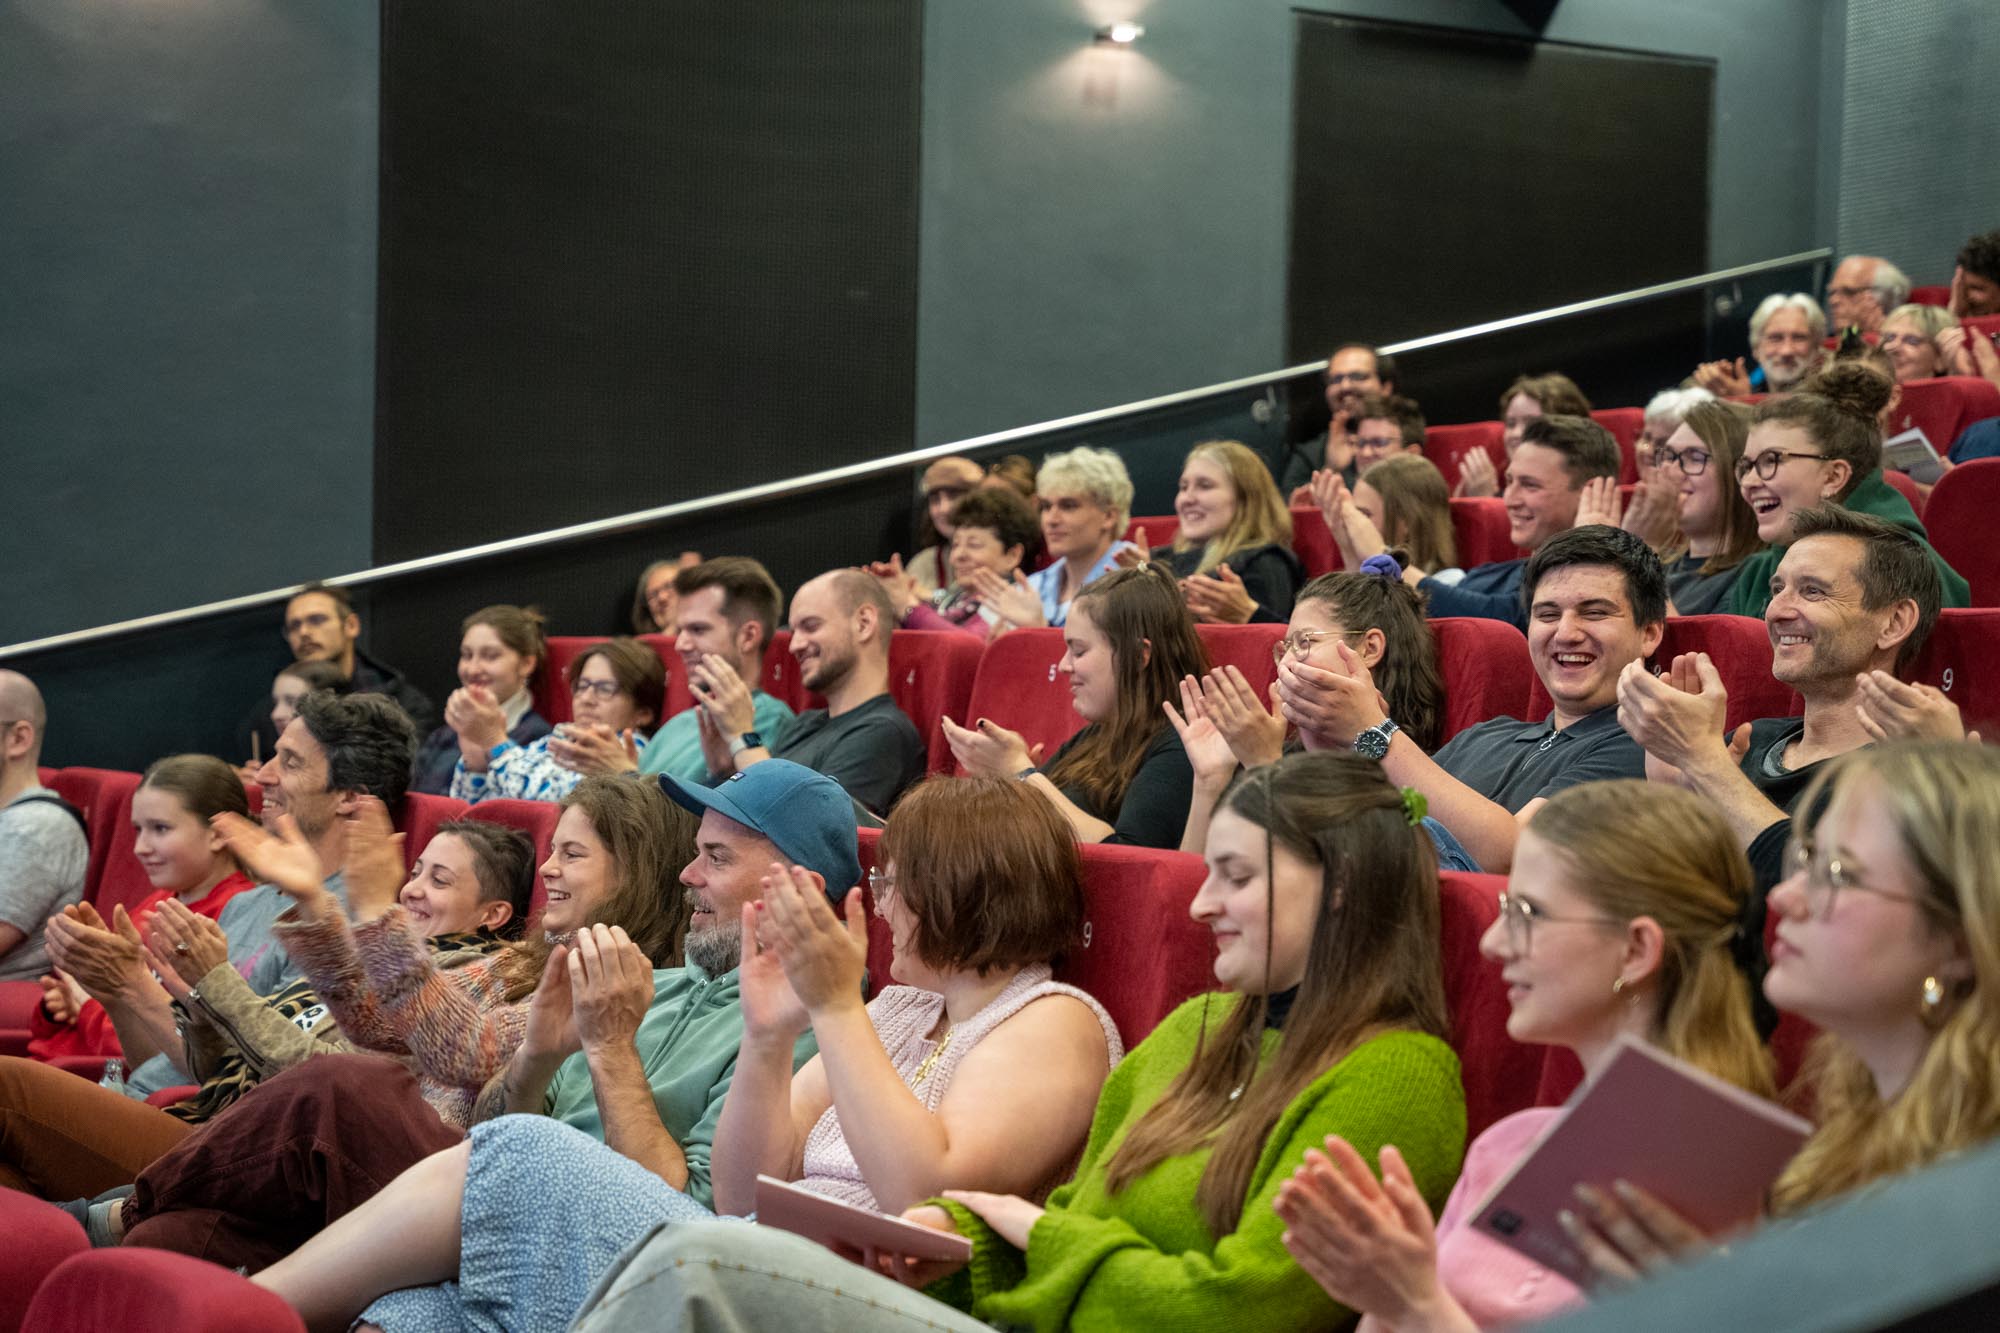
1091 1271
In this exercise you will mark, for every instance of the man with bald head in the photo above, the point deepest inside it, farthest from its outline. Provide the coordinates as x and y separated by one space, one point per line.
1862 292
43 852
841 623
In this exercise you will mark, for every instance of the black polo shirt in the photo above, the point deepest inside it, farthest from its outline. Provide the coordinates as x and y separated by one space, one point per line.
1512 763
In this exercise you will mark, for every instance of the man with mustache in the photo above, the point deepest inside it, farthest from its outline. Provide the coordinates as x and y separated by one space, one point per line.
320 625
1786 337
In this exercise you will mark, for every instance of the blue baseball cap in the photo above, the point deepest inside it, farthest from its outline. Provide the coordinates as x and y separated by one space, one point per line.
806 815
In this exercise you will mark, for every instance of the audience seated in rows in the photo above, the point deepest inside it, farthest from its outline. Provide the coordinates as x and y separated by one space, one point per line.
946 481
1353 372
499 650
1386 425
618 691
1716 525
655 604
841 622
185 861
908 1096
320 624
1233 551
44 852
1400 507
1085 497
1786 332
992 529
1664 412
1596 944
1596 600
1123 777
1822 443
1853 601
1862 292
1527 398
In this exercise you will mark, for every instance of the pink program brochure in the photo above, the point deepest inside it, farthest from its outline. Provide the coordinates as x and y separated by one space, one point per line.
1705 1148
835 1224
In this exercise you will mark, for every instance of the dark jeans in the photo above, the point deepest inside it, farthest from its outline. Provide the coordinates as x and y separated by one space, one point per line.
288 1157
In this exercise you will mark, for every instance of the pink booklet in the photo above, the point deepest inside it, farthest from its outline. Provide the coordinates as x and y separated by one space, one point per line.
1705 1148
835 1224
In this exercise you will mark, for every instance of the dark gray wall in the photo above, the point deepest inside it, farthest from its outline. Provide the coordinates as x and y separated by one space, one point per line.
186 303
1101 225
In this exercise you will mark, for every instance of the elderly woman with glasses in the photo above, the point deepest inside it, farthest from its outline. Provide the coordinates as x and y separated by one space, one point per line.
618 691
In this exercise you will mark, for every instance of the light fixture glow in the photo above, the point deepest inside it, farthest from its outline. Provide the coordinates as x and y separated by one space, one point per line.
1122 33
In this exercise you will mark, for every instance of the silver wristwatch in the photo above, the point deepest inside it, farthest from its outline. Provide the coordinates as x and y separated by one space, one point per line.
1374 742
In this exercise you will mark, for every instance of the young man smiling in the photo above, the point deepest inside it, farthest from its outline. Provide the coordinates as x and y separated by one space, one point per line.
1597 601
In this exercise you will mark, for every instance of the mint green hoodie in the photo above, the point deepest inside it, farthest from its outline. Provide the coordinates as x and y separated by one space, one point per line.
1873 496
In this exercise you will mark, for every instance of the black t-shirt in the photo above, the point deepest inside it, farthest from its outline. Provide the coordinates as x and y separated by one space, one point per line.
1764 761
872 750
1155 809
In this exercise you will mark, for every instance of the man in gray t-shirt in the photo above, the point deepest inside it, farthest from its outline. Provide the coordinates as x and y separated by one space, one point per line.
43 851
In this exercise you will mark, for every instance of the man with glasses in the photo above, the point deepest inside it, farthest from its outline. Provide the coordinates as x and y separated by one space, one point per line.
1597 601
43 851
1862 292
1354 371
1786 336
321 625
1386 424
1852 604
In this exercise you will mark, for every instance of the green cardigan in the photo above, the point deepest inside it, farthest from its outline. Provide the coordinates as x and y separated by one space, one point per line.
1874 496
1144 1259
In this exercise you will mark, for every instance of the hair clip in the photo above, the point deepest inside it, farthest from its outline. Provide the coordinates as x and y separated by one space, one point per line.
1383 566
1415 807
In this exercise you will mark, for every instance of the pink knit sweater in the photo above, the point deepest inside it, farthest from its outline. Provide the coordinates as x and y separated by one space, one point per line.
903 1017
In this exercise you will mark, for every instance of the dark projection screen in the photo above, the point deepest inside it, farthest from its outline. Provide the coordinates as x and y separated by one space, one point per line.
637 252
1441 178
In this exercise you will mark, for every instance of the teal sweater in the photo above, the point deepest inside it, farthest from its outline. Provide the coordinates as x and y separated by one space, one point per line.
1143 1258
1752 592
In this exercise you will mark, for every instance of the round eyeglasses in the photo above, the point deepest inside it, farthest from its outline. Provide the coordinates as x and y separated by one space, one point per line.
1766 464
1827 879
1519 916
1691 461
1303 641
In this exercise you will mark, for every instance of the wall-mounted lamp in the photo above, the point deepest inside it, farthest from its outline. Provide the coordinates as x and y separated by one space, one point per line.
1122 33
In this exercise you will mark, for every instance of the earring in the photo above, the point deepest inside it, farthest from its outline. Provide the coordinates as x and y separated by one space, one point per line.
1617 985
1933 996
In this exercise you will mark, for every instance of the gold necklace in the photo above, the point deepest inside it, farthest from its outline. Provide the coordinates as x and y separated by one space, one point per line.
924 1069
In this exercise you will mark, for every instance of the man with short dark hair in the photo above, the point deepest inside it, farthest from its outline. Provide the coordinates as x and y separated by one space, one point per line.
1386 424
43 850
1852 603
841 623
1557 455
1352 372
1597 602
321 625
1975 282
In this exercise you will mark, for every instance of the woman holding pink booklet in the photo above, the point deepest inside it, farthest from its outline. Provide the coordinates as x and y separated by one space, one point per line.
1888 939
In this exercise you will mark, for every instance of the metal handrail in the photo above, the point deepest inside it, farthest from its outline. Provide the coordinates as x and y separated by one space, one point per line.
814 481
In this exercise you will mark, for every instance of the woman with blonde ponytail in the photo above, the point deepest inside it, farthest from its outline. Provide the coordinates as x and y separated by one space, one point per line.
1625 916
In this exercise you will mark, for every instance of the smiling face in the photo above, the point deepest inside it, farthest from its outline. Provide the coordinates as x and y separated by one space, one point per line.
1233 903
823 635
294 782
1581 634
1704 509
1559 976
1075 525
1982 294
286 691
1090 664
1521 409
1910 349
975 548
444 895
598 699
174 846
1206 501
904 964
1799 483
1820 633
1369 501
1376 438
579 875
661 599
1785 348
316 630
1351 373
728 870
704 631
1540 496
483 659
946 482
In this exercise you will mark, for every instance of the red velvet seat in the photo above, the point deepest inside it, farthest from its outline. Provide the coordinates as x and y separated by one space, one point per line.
1959 660
551 693
1740 647
537 819
1964 501
1906 488
1142 954
1485 668
781 674
1984 325
154 1291
1625 425
1159 530
1945 406
1248 649
1501 1075
40 1237
1479 525
1017 685
421 814
1931 295
1445 445
105 797
1313 544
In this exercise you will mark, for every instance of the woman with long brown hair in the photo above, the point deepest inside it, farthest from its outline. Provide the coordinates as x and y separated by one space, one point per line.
1716 522
1123 777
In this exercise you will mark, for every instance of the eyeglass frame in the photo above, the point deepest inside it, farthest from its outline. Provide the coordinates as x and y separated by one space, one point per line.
1347 377
1519 914
1775 457
1283 647
881 887
1821 884
1666 454
607 690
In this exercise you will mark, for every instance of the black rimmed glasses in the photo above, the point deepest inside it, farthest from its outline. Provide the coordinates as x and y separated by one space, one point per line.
606 690
1766 464
1691 461
1519 916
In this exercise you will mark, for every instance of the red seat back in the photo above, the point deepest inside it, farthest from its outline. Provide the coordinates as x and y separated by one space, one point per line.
1930 295
1906 488
1959 658
1479 526
1248 649
537 819
551 690
1445 445
1984 325
1501 1075
1963 502
154 1291
105 797
781 675
931 673
1018 686
40 1236
1141 953
1943 407
1624 423
1740 647
421 814
1313 544
1485 668
1158 530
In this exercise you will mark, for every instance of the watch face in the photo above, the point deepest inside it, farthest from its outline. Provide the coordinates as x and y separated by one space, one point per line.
1372 743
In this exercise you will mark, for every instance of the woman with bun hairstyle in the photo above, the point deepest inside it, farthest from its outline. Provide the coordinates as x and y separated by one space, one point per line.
1821 444
499 650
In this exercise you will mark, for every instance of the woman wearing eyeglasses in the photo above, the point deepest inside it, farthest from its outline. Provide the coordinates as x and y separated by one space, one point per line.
1716 522
618 689
1596 943
1820 445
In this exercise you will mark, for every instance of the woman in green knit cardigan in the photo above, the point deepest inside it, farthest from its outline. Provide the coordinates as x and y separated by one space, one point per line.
1323 898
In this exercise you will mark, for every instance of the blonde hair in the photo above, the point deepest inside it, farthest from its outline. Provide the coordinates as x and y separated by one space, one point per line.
1261 517
1097 473
1944 800
1692 878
